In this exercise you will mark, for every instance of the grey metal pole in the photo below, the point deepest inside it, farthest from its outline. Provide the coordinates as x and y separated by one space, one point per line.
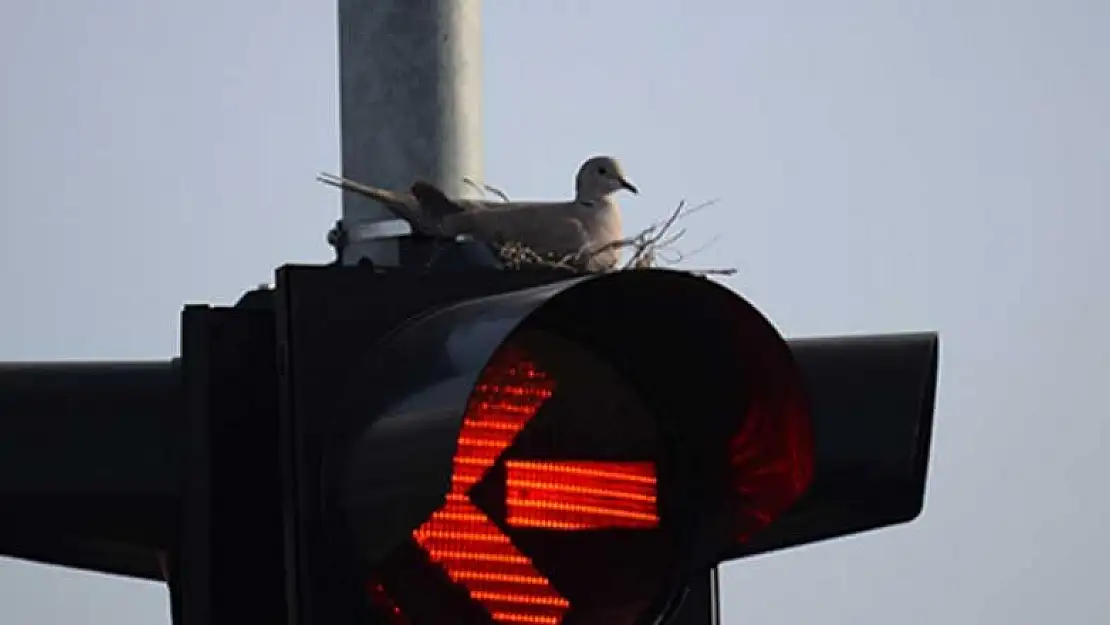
410 107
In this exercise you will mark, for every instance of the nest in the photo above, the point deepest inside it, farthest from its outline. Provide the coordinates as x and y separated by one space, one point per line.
652 247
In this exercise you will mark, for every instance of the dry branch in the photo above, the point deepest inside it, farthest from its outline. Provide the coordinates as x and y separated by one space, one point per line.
485 189
648 248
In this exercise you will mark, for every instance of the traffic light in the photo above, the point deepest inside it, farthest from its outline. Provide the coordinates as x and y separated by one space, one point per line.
508 447
405 447
514 447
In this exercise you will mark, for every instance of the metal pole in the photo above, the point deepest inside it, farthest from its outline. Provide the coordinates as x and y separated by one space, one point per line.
410 107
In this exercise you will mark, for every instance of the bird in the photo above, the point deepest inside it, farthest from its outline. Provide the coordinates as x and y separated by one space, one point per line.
586 227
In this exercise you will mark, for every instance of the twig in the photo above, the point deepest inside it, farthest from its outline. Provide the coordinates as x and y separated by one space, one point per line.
517 255
704 246
648 247
473 185
655 238
713 272
483 188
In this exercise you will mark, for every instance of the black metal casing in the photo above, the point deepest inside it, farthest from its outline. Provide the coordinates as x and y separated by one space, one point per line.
872 399
350 360
221 457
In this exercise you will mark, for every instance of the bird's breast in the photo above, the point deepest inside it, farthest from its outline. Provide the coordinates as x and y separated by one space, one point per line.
603 222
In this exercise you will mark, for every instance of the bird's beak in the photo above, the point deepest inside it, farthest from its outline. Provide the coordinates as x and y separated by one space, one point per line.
631 187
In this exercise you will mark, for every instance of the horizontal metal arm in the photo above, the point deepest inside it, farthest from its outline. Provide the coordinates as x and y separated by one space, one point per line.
90 463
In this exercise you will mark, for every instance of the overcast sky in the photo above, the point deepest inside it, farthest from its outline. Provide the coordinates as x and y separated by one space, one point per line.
883 166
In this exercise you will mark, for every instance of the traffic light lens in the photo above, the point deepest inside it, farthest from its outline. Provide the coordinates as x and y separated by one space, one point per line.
581 495
460 537
553 514
718 378
566 467
771 459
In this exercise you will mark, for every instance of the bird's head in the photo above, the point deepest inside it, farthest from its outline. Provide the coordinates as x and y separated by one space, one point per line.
600 177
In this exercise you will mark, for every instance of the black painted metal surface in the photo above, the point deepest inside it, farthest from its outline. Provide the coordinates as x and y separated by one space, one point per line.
872 398
90 463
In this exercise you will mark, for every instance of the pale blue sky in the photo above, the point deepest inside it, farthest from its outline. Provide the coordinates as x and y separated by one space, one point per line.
883 165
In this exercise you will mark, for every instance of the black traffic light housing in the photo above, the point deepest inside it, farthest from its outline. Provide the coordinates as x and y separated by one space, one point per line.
389 359
238 457
872 399
228 555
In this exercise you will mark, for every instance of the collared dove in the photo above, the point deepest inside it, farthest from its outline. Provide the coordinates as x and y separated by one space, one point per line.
589 222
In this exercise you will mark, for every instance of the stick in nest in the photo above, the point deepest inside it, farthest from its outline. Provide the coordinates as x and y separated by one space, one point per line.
648 247
485 189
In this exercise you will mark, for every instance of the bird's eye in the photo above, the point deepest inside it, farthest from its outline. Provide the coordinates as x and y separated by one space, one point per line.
602 171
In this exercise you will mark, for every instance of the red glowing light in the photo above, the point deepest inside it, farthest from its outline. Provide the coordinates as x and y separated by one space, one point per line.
581 495
459 537
771 456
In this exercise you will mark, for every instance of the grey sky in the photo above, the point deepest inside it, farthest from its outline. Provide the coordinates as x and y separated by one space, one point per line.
882 166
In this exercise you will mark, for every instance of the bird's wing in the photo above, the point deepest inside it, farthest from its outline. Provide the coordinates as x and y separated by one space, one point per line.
543 227
434 202
483 206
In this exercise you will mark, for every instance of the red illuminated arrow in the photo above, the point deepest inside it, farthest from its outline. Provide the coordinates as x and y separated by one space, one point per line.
539 494
580 495
463 540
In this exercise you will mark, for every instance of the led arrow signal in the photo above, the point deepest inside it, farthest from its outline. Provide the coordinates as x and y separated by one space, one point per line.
556 495
459 537
581 495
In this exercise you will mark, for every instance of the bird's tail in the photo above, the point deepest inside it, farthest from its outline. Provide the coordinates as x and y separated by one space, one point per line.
402 207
